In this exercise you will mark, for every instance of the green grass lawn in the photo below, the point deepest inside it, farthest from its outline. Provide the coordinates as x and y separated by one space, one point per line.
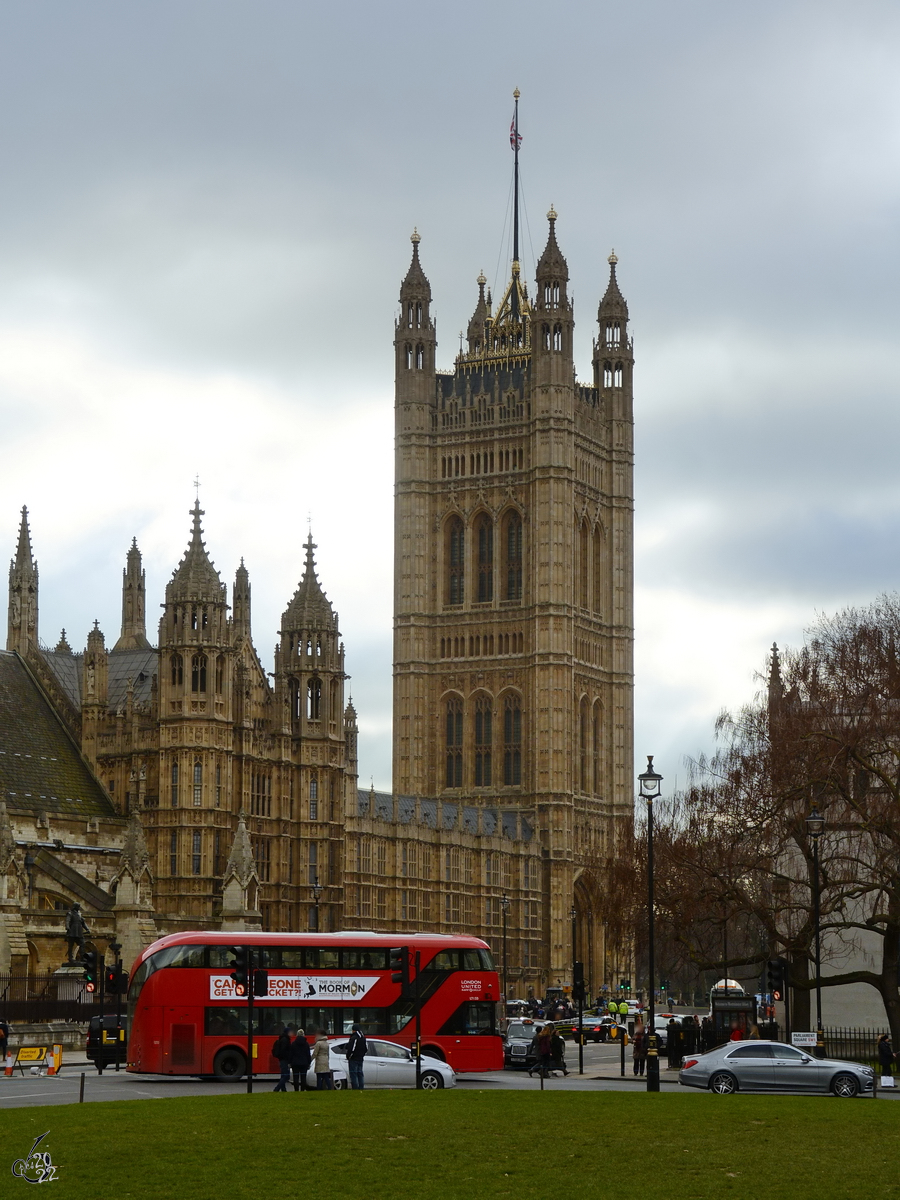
376 1145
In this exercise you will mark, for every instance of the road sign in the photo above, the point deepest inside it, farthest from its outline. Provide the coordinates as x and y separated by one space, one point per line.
803 1039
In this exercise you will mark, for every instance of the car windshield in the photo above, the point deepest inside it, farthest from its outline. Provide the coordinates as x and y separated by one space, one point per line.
517 1029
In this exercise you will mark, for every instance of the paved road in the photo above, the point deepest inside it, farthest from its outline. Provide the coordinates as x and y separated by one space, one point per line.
602 1073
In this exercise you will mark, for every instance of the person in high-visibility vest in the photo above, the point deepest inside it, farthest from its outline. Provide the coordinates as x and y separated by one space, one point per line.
623 1010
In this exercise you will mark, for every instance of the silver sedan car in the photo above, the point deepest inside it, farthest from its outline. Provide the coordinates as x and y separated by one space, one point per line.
758 1066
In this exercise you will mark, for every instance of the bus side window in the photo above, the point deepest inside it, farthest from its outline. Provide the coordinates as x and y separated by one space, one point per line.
291 958
446 960
270 958
364 960
472 1017
471 960
220 956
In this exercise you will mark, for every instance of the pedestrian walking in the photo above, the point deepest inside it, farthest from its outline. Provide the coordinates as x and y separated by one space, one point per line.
545 1049
282 1051
301 1060
4 1040
357 1049
558 1052
639 1048
322 1063
886 1058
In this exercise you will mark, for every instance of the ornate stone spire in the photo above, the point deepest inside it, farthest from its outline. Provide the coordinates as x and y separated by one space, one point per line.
613 304
195 577
415 286
241 599
241 863
62 646
22 622
240 883
134 604
309 608
776 683
135 855
552 264
476 331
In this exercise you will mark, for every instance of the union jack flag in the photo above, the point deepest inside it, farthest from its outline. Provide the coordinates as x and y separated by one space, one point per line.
515 138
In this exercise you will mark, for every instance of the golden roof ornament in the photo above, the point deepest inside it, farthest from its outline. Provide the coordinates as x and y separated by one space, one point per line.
415 237
612 260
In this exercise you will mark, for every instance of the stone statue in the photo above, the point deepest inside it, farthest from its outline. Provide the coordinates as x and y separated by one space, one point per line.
76 930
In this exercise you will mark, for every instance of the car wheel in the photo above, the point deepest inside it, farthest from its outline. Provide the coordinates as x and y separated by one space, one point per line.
338 1085
229 1064
724 1083
431 1080
846 1086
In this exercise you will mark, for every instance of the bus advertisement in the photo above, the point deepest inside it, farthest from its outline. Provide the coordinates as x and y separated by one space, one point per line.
186 1017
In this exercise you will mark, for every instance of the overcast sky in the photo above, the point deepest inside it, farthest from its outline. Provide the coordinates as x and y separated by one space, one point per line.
205 217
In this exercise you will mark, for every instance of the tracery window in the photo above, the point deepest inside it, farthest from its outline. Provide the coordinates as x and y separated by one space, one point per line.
198 673
512 740
313 699
456 544
177 665
454 742
513 542
484 533
198 784
483 740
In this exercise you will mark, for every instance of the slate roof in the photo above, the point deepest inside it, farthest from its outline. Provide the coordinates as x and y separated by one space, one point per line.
139 665
41 768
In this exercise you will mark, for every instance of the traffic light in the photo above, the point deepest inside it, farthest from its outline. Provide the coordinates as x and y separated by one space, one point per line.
578 983
90 963
240 969
116 980
399 965
624 985
775 977
664 985
260 983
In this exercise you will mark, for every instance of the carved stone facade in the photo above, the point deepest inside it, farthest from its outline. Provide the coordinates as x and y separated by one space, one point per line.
212 797
513 621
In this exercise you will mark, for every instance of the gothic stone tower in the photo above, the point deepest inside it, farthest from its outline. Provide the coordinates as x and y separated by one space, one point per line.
513 606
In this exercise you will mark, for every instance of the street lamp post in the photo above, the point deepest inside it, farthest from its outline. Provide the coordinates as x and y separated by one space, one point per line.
317 891
650 781
815 827
504 909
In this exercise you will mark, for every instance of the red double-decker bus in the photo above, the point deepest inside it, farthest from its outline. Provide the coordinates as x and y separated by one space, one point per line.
186 1018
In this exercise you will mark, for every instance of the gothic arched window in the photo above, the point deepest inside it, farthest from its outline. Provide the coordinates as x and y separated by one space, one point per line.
617 376
599 569
484 714
512 740
198 673
484 535
313 699
583 579
177 665
174 784
456 545
513 547
220 674
557 337
420 357
607 375
583 746
454 742
198 784
596 744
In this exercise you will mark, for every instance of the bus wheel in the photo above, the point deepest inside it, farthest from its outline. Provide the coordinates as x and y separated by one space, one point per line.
229 1064
431 1080
434 1052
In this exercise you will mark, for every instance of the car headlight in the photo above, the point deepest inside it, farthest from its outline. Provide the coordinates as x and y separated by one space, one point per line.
866 1071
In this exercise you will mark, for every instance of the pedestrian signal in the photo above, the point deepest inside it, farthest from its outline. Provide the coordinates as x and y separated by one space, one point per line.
90 962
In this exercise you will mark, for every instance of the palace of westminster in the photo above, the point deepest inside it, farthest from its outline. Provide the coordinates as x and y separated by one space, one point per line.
181 786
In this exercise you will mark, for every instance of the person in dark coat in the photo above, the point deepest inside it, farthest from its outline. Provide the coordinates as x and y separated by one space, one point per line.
300 1059
885 1054
282 1050
357 1048
673 1044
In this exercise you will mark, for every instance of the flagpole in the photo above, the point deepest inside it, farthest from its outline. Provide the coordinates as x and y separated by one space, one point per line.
516 194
